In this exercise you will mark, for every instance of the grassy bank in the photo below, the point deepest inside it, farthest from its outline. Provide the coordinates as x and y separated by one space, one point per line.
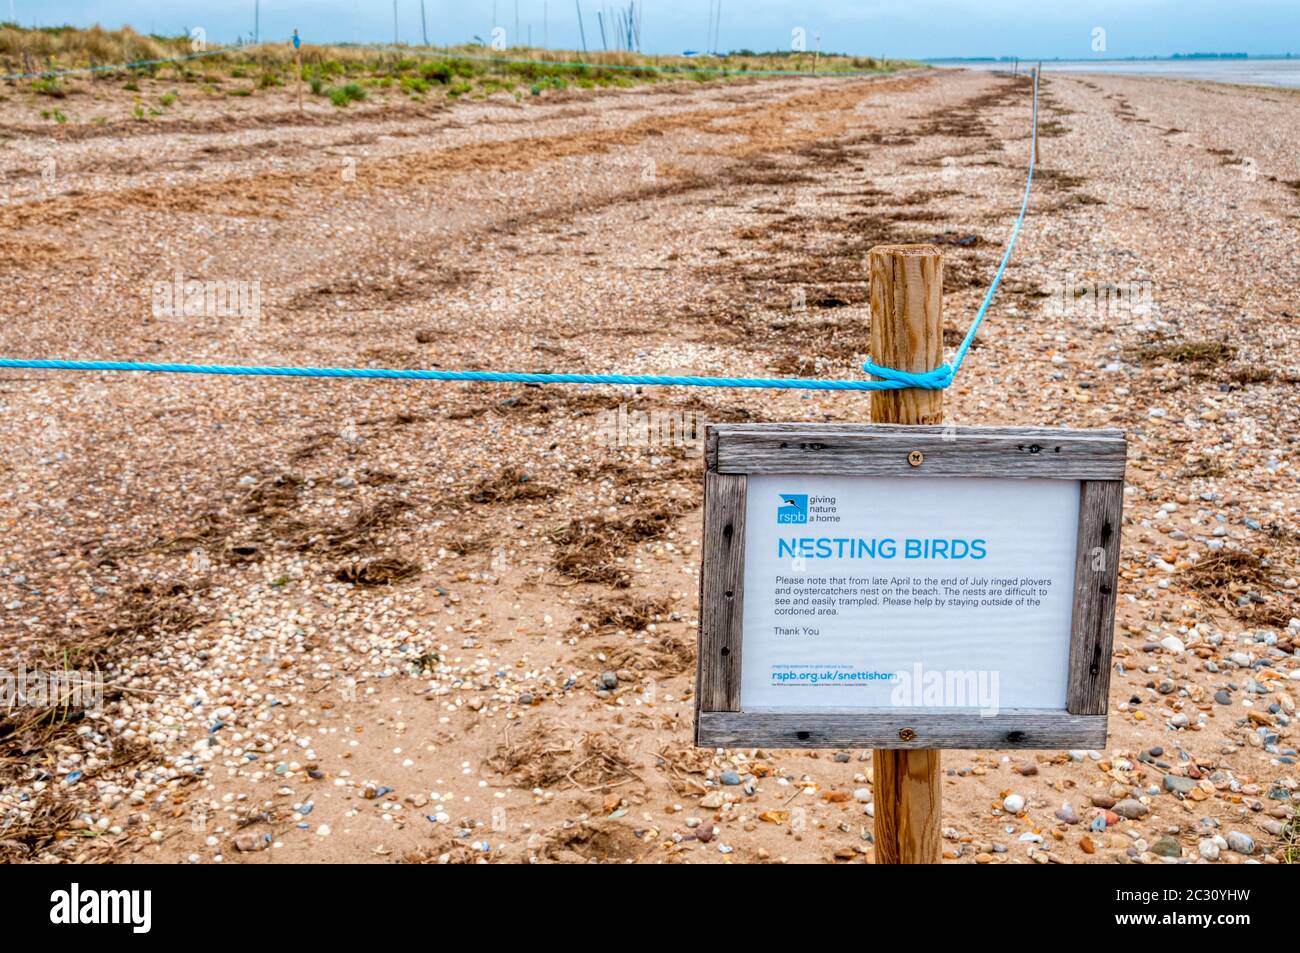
346 73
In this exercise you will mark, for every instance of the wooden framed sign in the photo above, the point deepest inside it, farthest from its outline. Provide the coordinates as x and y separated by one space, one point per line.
879 586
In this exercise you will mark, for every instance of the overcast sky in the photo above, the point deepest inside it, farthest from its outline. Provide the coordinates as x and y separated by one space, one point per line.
903 28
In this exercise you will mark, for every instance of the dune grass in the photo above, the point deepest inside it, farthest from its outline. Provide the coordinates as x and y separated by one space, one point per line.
419 70
55 63
31 49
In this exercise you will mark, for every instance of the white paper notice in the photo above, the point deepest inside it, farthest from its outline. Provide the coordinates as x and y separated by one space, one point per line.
876 592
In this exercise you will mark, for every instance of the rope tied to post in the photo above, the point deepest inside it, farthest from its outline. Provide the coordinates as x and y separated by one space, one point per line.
886 378
938 379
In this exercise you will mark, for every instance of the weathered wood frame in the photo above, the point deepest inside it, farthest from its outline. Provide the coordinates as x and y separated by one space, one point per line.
1095 458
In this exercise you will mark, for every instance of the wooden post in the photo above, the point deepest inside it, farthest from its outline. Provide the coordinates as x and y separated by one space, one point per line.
297 60
907 334
906 328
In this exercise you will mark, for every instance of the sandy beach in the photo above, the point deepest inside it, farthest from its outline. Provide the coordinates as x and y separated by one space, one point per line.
389 621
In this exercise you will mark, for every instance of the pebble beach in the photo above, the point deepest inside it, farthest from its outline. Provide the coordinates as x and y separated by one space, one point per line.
390 621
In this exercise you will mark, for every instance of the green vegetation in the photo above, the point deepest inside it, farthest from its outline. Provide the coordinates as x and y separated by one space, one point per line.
349 92
343 73
415 85
48 87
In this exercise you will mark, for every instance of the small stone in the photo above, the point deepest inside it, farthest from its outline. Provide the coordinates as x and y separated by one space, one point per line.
1013 804
1208 849
1222 697
1131 809
1086 845
1273 826
249 843
1067 814
862 795
1241 843
1179 785
608 681
1167 847
730 778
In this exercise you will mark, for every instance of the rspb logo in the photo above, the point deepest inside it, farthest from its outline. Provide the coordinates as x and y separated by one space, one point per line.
793 508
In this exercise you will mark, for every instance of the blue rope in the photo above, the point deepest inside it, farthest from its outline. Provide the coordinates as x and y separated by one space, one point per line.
1006 255
888 378
794 383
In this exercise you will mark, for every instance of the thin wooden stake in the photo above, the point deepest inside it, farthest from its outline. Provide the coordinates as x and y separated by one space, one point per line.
1038 72
907 334
297 61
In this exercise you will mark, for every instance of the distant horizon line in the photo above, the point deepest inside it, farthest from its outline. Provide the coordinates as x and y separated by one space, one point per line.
242 40
1007 58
